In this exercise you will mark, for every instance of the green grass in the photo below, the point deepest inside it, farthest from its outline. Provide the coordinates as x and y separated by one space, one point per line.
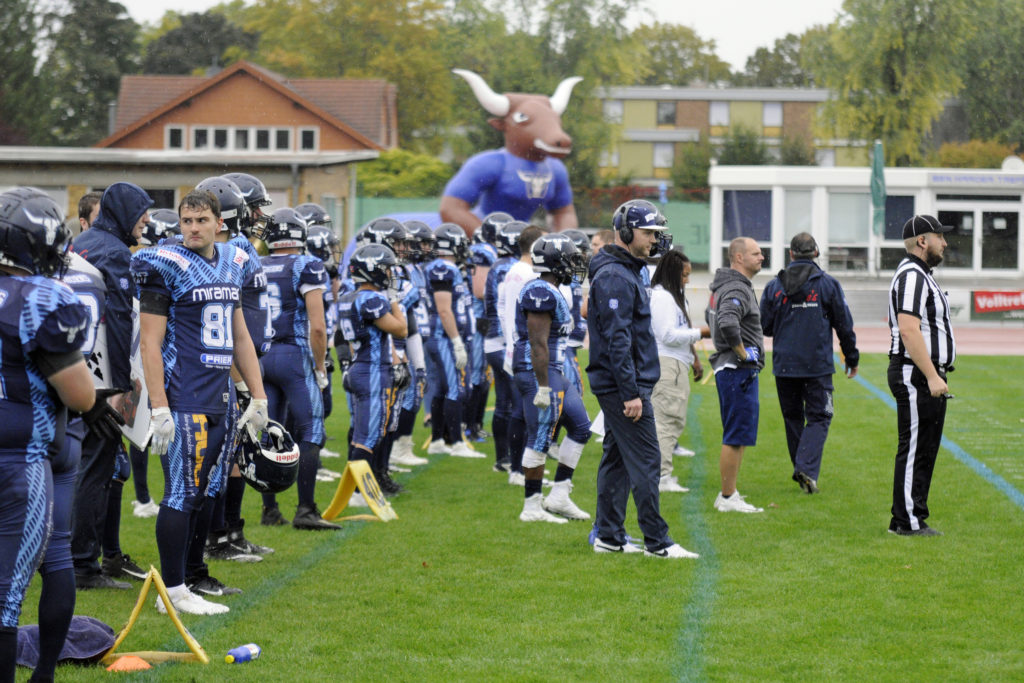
459 589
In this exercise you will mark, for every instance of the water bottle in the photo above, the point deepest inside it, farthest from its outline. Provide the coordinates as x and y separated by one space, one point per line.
243 653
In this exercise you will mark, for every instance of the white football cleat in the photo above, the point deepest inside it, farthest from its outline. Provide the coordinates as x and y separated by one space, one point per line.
516 479
438 446
683 451
558 502
149 509
669 484
533 511
734 503
464 450
190 603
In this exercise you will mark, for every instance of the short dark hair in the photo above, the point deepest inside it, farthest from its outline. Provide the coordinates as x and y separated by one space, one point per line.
528 236
803 245
606 236
87 203
197 200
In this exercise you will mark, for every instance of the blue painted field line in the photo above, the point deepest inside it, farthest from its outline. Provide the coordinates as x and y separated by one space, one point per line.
689 665
980 468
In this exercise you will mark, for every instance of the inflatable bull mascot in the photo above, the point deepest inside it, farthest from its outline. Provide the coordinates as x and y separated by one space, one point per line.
527 172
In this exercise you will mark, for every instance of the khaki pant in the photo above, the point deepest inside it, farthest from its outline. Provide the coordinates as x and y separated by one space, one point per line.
669 399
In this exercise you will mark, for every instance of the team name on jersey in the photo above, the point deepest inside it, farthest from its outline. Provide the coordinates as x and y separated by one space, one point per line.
273 268
259 280
215 293
77 279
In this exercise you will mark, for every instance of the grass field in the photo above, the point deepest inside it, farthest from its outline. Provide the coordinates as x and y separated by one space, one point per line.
813 589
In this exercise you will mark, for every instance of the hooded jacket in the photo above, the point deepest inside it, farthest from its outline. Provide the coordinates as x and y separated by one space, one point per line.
623 352
105 246
734 319
799 308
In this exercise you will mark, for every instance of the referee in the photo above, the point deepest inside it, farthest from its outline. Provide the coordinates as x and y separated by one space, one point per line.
921 353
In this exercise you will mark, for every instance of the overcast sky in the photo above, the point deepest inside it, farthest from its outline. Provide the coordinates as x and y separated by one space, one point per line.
738 27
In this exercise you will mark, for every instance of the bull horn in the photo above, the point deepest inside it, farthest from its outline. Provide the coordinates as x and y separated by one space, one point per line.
560 100
495 104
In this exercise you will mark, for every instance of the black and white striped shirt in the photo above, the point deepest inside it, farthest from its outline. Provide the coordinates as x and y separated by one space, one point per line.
915 292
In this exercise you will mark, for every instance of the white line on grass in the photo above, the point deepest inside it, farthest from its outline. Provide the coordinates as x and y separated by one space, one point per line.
959 453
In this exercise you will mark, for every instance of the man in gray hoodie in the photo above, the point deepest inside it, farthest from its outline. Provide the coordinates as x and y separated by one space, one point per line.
735 321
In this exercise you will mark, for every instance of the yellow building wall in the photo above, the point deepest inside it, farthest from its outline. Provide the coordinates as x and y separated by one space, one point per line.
852 156
639 114
636 159
746 114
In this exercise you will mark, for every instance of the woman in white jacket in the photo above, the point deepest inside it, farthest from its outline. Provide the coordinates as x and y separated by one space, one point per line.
670 321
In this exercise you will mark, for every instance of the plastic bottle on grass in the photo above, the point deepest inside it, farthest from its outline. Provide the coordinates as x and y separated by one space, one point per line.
243 653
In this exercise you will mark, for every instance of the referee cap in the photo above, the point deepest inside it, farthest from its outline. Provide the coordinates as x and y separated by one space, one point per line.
922 224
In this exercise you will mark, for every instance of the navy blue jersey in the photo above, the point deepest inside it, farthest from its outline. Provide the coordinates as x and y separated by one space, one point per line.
538 296
255 302
37 314
199 343
420 310
444 276
330 310
579 323
357 313
91 290
289 277
494 278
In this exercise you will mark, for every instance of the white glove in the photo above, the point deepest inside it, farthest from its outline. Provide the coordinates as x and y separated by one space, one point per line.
161 430
543 397
254 418
321 380
459 349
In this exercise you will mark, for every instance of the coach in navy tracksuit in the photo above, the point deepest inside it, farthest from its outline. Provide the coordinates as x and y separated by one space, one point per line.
623 370
124 212
799 308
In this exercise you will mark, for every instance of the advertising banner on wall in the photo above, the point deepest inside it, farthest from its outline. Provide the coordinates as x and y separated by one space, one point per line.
989 305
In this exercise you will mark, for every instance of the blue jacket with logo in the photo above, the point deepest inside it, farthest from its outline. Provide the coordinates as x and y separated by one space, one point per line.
623 353
105 246
799 308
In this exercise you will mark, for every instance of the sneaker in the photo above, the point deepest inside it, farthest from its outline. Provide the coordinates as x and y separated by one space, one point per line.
236 537
517 479
734 503
501 466
84 582
208 585
190 603
438 446
923 531
121 565
330 475
806 483
669 484
683 452
308 517
223 549
464 450
407 459
272 517
674 551
392 467
558 502
149 509
389 486
357 501
326 452
533 511
476 433
601 546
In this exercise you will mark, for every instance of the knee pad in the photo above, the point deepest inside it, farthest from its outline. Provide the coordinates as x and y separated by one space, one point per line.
532 458
569 452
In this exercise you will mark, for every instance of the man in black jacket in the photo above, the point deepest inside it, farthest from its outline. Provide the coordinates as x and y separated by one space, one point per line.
799 308
623 370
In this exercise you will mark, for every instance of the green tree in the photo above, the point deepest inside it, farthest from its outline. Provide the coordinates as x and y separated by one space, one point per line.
994 68
742 146
971 154
892 66
796 151
674 54
399 173
22 92
95 43
779 67
192 42
691 168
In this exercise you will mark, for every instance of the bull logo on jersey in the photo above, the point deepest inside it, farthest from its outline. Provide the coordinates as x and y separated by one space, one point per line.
538 301
536 183
50 224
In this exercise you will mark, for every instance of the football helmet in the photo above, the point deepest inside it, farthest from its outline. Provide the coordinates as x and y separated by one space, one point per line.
232 202
640 214
421 241
488 230
387 231
32 232
507 241
451 240
372 264
271 464
314 214
582 242
555 253
254 222
285 229
320 241
162 223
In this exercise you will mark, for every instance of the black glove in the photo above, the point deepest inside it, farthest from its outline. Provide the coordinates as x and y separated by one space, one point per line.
102 418
483 325
400 376
329 363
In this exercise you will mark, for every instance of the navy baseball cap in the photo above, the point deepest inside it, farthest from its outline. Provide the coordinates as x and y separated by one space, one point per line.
922 224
